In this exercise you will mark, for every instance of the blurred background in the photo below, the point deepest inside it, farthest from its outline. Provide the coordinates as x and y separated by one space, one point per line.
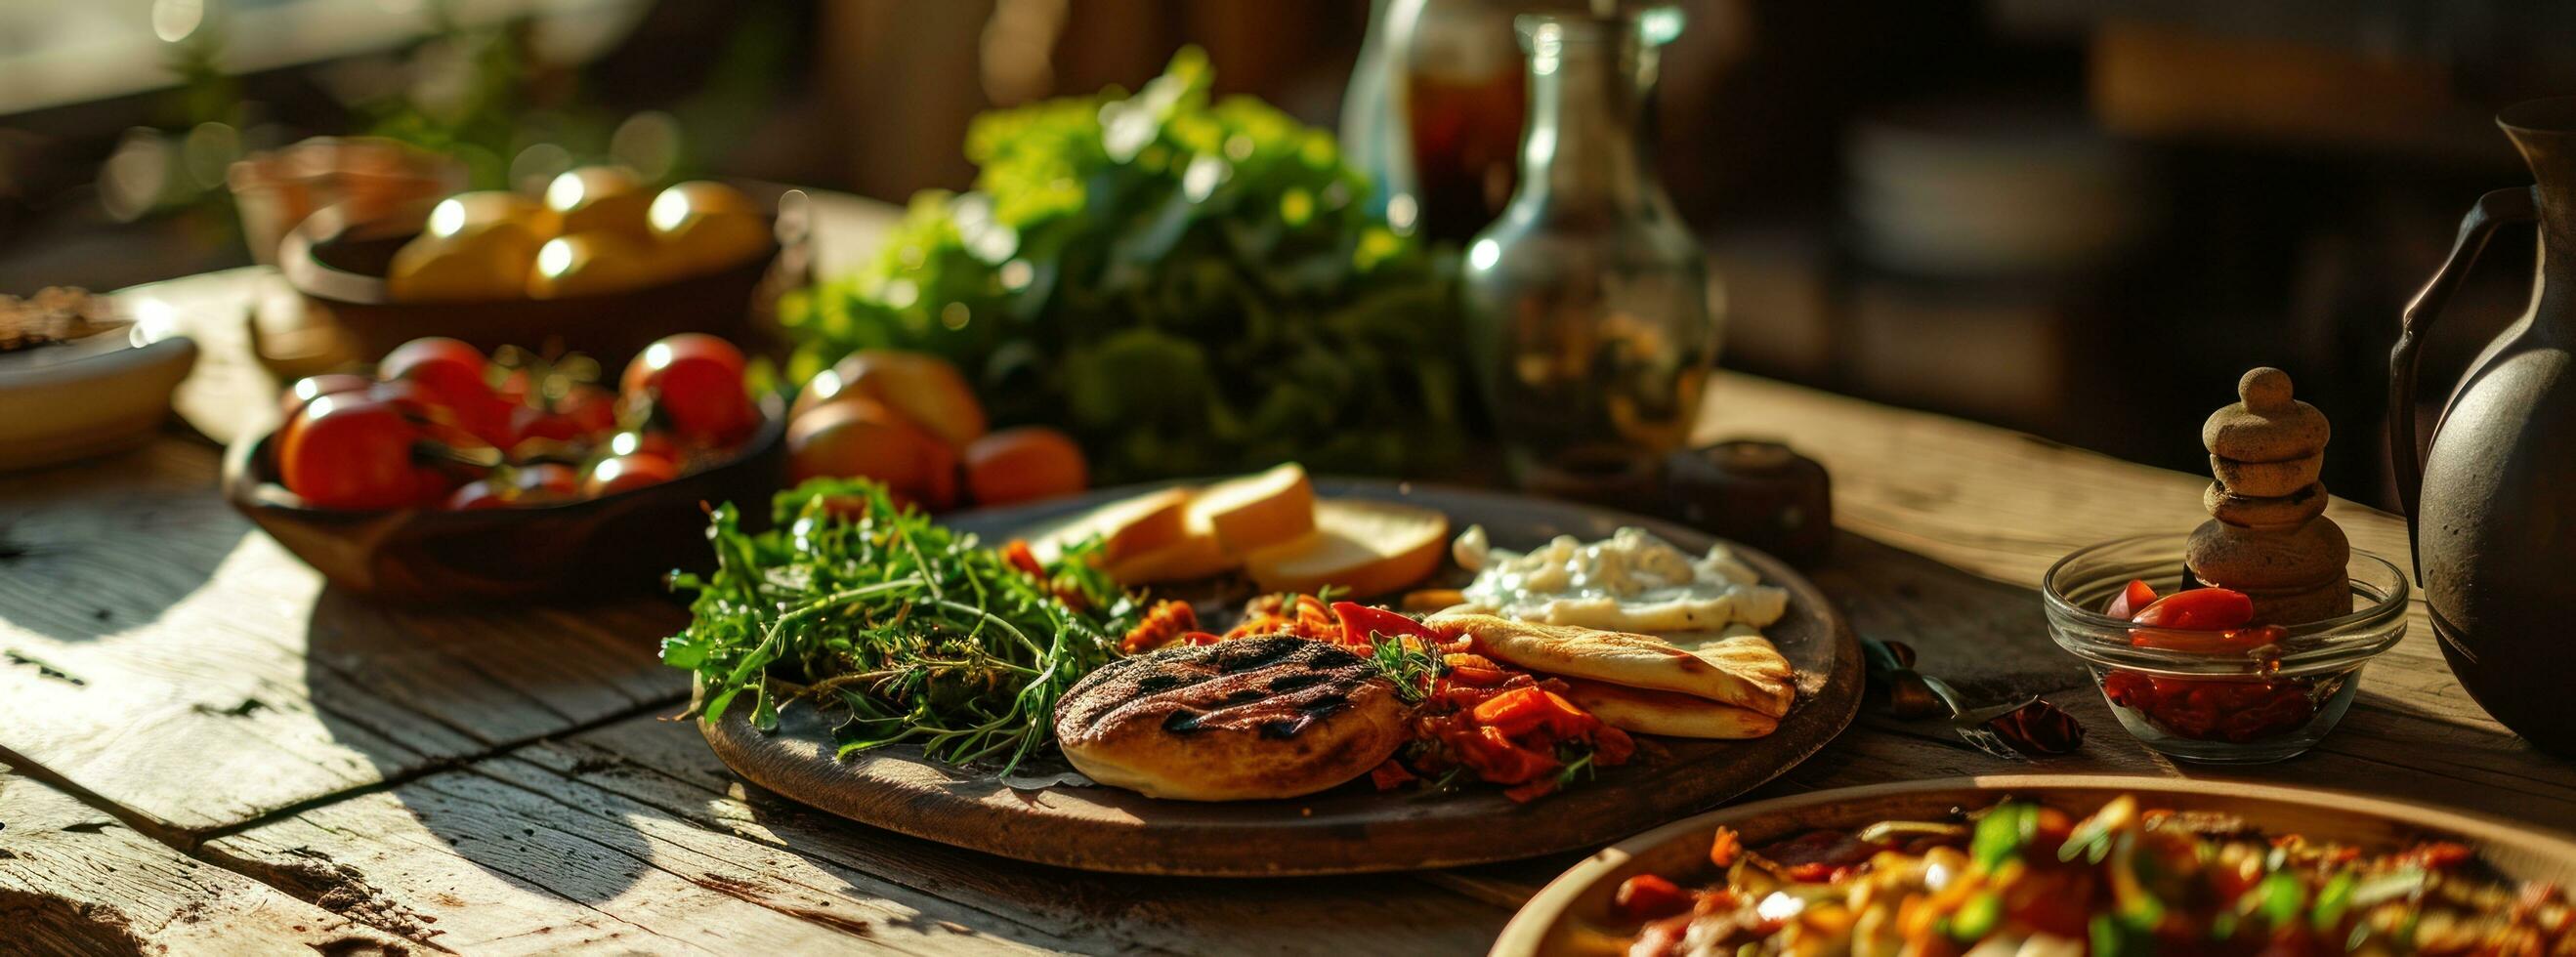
2081 218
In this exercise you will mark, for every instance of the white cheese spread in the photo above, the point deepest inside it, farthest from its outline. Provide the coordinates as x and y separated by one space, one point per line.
1631 581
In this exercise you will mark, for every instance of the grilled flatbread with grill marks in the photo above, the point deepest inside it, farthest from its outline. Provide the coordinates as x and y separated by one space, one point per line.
1737 667
1237 720
1668 713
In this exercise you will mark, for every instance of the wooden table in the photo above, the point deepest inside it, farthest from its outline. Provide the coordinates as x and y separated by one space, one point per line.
212 752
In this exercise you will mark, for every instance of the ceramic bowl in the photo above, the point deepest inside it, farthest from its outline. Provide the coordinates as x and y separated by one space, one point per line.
620 542
2192 696
95 395
338 265
1575 914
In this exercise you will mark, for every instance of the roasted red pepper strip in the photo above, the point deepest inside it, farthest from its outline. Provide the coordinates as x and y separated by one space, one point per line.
1360 623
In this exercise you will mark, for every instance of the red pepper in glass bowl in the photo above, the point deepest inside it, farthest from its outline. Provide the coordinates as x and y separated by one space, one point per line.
2186 670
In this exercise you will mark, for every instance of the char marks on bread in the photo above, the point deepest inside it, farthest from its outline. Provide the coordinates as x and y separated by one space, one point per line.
1252 718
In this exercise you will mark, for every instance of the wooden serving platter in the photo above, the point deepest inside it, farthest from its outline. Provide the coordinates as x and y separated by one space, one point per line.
1573 914
1350 829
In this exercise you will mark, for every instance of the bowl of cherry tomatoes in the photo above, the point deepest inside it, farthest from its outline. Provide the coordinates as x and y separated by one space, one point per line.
449 475
2188 670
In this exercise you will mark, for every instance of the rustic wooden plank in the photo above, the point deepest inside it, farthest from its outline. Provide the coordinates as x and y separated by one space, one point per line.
76 881
667 766
510 857
132 597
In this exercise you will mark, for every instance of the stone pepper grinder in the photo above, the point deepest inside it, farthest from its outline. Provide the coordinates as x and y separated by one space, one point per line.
2268 535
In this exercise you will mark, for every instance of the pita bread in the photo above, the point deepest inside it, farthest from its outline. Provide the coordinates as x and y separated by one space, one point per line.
1737 666
1666 713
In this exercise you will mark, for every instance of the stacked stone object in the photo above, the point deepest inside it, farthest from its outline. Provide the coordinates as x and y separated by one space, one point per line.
2267 535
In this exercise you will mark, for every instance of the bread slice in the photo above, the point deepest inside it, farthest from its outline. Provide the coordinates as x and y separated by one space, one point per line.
1257 511
1128 528
1367 547
1197 555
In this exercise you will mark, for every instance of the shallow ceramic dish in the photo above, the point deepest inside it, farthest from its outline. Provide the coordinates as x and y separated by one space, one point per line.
91 396
620 542
1573 914
339 267
1049 815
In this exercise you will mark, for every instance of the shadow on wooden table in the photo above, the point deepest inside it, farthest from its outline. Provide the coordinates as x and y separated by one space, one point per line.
100 547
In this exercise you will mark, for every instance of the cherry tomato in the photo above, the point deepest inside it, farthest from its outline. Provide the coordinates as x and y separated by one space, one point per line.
540 484
450 374
2137 596
309 388
628 472
590 409
478 495
549 480
694 382
346 451
2198 609
656 444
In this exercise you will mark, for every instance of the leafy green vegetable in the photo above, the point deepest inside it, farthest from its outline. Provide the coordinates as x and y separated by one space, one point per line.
919 633
2002 833
2333 900
1188 285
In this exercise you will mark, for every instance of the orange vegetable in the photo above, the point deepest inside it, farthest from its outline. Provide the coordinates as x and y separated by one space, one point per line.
1728 846
1647 896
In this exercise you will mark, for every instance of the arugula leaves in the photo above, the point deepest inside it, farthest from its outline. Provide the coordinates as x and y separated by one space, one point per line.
1189 285
920 634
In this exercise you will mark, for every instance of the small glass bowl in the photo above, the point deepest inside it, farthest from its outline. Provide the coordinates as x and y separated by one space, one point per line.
2220 702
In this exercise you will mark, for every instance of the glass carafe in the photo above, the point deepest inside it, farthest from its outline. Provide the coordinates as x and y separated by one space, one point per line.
1588 304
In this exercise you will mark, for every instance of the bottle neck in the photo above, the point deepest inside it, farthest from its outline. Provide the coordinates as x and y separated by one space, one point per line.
1588 83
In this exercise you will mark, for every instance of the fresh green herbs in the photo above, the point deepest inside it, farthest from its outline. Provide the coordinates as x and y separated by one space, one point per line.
1413 666
917 633
1188 284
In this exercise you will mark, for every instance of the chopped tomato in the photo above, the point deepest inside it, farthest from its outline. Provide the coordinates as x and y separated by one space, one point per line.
1020 557
2132 599
1728 846
2198 609
1647 896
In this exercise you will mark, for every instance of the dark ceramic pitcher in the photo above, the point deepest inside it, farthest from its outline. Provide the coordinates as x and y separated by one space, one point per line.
2492 505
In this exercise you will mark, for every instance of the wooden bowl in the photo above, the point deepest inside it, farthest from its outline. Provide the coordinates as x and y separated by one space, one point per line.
624 541
339 266
1573 914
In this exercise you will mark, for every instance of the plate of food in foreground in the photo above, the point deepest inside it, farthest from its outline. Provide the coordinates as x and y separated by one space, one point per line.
1265 675
2063 864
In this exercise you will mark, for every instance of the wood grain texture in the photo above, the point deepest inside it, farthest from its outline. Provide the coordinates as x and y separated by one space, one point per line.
666 765
74 880
512 858
131 597
1349 829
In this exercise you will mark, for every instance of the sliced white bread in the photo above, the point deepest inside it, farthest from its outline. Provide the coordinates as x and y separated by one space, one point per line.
1368 548
1257 511
1197 555
1128 528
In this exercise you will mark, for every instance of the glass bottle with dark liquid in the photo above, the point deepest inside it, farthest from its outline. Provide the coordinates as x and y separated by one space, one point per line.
1588 301
1464 93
